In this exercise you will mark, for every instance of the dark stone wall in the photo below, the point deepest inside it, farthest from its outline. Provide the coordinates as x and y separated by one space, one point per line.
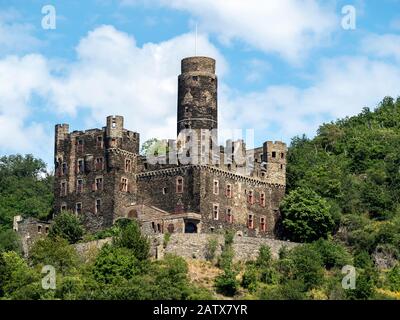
238 203
150 190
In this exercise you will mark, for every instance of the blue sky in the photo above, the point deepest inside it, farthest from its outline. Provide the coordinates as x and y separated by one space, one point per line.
284 66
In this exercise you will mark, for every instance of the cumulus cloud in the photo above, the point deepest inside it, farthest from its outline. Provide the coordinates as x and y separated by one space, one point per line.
16 36
290 28
342 88
382 45
113 75
20 78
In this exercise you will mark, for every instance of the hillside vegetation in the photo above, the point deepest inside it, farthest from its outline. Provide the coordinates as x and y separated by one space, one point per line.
342 202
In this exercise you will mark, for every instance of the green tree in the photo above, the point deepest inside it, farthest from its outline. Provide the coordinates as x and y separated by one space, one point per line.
9 241
68 226
25 188
131 237
113 264
306 216
56 252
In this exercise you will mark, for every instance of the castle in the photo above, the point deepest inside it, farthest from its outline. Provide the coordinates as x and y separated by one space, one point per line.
195 186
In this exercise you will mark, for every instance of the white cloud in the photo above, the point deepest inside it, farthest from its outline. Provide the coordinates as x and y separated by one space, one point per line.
385 45
20 78
290 28
15 36
342 88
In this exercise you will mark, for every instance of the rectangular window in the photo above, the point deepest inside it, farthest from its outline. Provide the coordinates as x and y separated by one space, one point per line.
63 189
273 154
99 142
79 186
215 211
262 199
216 187
128 165
250 197
98 184
229 215
64 168
39 229
250 221
99 164
179 185
81 166
124 185
262 224
79 145
164 190
98 206
229 190
63 207
78 208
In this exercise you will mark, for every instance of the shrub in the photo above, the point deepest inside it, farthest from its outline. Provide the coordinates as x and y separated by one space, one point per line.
66 225
250 278
393 278
114 264
131 237
211 248
264 257
56 252
307 266
226 283
332 254
9 241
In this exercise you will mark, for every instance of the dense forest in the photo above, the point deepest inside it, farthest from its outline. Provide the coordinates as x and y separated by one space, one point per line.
342 203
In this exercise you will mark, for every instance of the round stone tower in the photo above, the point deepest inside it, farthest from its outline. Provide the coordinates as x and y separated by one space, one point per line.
197 99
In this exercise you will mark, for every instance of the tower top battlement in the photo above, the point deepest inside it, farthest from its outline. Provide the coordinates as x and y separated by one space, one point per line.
198 64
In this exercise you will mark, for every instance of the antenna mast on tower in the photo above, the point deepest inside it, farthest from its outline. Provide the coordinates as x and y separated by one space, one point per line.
195 42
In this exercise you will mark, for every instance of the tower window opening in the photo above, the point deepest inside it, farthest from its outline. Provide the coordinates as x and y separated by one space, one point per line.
98 206
215 211
250 221
273 154
216 187
179 185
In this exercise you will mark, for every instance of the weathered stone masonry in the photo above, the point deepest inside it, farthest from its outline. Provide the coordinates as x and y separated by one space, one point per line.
101 176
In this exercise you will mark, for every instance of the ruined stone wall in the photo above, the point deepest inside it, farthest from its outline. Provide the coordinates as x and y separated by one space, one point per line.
245 248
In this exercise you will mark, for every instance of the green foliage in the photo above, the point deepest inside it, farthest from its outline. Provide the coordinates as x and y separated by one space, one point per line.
306 216
393 278
67 225
9 241
332 254
167 237
211 248
56 252
264 257
131 238
364 286
307 266
153 147
25 188
114 264
226 283
16 278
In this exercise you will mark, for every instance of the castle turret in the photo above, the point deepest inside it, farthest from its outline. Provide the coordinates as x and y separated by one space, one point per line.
197 101
274 154
114 131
